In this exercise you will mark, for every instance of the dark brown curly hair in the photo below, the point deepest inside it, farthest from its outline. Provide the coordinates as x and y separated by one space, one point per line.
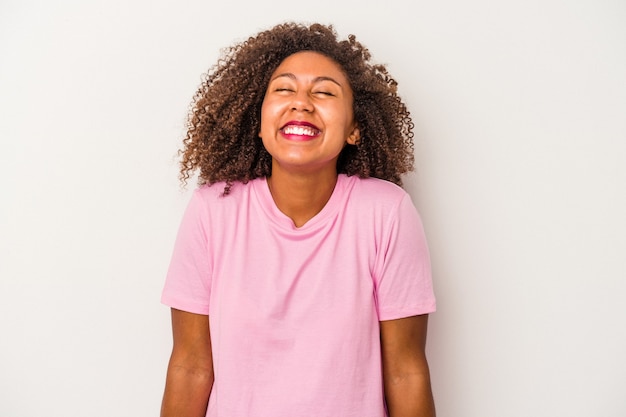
224 122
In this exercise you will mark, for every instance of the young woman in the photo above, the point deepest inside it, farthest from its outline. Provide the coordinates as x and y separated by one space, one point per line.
300 280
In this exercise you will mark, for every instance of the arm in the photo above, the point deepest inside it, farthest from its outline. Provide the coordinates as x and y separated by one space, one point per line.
405 369
190 370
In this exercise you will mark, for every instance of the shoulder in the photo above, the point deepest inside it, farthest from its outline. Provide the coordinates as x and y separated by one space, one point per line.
214 193
374 191
386 205
210 202
378 185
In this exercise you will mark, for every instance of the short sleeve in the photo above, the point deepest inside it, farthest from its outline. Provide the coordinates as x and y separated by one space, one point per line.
403 273
188 282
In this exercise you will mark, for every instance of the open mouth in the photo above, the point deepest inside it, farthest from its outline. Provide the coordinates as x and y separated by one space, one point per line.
300 129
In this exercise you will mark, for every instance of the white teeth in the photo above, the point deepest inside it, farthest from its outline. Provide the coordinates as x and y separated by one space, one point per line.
299 130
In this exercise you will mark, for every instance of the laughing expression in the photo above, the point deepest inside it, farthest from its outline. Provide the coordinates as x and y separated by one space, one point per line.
307 117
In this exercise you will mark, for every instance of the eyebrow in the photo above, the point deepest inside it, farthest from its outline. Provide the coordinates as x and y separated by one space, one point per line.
315 80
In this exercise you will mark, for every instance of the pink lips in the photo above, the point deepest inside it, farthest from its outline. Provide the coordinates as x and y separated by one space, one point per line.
299 130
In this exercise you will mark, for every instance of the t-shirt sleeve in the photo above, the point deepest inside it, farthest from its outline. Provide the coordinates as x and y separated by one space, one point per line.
403 272
188 282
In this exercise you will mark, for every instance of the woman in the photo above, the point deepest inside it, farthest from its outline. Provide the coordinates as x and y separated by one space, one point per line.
300 280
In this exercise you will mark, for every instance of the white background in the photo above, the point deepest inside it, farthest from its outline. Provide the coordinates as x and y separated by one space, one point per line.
520 113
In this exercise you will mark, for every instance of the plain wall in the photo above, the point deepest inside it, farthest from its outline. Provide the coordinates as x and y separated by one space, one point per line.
520 129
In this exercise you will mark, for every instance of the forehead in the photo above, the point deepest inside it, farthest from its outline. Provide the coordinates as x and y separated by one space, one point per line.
311 63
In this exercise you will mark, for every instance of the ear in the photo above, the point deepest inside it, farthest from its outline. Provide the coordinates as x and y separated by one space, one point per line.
354 137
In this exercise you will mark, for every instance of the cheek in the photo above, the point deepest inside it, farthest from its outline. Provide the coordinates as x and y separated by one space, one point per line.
269 114
341 113
344 122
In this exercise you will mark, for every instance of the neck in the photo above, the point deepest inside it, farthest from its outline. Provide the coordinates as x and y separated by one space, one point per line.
301 197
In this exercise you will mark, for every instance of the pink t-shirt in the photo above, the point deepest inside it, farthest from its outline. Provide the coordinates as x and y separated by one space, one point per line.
294 312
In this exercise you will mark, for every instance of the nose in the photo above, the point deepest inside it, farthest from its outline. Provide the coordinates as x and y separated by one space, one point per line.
302 101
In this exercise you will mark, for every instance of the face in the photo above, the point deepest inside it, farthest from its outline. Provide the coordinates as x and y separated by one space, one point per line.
306 116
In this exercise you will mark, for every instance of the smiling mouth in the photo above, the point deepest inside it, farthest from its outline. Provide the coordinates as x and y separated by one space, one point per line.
300 131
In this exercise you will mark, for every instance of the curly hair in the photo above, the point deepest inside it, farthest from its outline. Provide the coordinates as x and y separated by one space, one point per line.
222 140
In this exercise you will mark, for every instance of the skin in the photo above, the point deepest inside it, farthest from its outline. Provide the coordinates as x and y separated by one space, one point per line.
190 370
307 87
311 91
405 368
